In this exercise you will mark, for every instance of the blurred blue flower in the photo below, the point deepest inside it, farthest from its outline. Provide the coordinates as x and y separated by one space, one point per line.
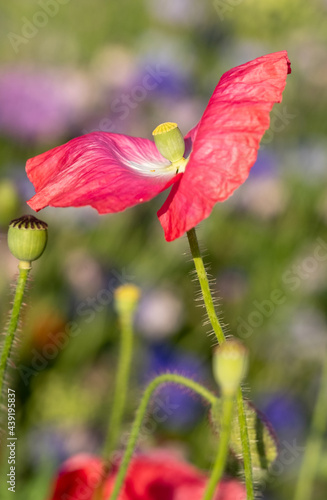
50 443
46 443
265 194
266 164
286 414
180 408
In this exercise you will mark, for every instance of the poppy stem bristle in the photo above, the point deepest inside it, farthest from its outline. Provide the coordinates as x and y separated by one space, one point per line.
246 450
204 284
13 324
209 304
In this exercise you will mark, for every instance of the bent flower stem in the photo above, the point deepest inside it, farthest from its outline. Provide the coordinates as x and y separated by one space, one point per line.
140 414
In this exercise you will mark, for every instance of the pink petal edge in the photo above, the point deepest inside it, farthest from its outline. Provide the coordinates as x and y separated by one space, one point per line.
226 141
110 172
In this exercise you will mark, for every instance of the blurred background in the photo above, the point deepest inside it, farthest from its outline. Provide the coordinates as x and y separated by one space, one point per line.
71 67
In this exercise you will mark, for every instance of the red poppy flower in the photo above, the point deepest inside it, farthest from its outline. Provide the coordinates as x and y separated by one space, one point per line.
158 476
112 172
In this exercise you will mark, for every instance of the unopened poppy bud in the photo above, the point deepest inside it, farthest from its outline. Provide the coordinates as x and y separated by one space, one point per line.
169 141
27 238
230 364
126 299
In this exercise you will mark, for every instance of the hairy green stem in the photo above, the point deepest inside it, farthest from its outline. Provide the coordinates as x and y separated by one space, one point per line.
204 283
245 446
13 323
207 297
121 387
314 443
224 435
137 425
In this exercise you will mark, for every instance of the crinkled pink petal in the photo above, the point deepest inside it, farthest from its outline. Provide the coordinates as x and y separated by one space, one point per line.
110 172
226 141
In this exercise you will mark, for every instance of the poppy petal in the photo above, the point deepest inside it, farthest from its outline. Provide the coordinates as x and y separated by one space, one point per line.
156 476
226 141
163 476
78 478
110 172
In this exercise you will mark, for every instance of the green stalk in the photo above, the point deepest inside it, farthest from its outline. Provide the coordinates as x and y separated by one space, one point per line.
204 283
314 443
24 269
245 445
121 387
136 428
220 462
207 297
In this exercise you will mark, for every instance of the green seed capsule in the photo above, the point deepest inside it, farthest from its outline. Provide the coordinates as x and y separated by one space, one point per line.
27 238
169 141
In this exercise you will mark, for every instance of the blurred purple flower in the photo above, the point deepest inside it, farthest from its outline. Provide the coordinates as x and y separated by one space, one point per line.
123 105
38 106
183 12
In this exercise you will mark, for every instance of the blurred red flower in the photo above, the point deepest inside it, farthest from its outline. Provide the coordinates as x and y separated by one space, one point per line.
112 172
157 476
